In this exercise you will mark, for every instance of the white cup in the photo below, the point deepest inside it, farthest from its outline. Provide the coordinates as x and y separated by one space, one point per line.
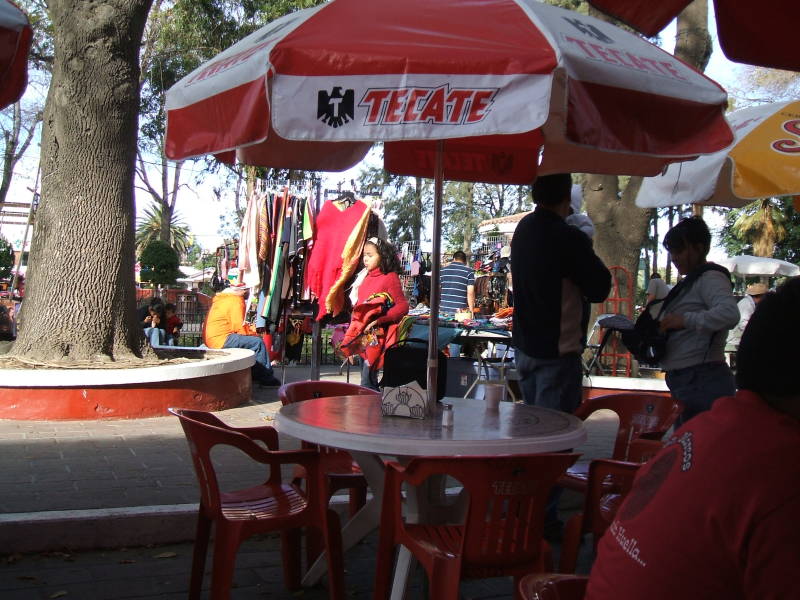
492 395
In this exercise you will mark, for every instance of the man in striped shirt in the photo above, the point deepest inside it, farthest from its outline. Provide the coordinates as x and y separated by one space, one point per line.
457 285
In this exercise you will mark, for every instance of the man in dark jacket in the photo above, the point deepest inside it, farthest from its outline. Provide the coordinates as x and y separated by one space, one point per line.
554 269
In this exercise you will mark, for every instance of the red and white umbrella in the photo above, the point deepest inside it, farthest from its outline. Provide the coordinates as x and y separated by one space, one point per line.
479 90
15 43
759 32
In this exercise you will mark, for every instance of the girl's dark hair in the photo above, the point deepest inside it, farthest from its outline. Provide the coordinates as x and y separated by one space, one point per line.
389 261
692 230
158 308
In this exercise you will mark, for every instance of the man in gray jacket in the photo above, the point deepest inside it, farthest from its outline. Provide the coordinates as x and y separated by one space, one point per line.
697 322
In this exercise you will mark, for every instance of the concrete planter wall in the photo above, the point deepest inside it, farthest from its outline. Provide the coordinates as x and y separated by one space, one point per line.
600 386
221 382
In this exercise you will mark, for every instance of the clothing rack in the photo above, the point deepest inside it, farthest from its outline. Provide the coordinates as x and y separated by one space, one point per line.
312 185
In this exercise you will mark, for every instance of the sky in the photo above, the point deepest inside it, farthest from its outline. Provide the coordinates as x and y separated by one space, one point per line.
199 209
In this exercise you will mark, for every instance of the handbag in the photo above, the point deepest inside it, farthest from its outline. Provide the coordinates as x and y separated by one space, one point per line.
406 361
645 341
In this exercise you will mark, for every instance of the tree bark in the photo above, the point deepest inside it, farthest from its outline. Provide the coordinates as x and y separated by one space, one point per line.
80 295
692 40
620 225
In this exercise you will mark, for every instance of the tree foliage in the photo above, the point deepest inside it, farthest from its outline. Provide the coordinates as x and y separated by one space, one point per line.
748 230
159 264
6 258
149 226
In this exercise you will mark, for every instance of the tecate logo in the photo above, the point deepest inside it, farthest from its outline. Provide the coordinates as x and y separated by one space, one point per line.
440 105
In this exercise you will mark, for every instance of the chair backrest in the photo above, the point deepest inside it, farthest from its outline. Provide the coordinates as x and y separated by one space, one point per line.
642 450
552 586
299 391
639 414
507 497
609 483
203 432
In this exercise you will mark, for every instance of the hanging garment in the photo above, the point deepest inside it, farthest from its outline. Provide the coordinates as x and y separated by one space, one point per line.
223 263
273 294
341 231
248 244
263 230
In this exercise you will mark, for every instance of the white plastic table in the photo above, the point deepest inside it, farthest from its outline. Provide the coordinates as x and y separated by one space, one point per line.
355 423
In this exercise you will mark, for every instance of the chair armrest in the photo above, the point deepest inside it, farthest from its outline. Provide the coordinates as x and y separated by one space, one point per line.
265 434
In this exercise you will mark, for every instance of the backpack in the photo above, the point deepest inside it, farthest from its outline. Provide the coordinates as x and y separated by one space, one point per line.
407 360
645 341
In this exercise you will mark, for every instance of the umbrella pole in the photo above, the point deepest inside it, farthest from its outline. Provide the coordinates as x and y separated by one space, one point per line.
433 336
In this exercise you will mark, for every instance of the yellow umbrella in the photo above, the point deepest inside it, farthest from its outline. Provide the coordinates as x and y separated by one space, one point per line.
763 161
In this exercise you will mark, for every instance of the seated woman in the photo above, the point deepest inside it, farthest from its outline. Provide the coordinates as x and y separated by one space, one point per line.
155 324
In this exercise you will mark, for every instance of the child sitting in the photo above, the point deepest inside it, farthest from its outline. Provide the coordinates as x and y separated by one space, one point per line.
154 325
174 324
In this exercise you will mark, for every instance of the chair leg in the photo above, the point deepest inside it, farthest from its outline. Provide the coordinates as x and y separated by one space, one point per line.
517 591
444 579
571 544
333 552
315 544
290 552
384 565
358 498
226 544
199 555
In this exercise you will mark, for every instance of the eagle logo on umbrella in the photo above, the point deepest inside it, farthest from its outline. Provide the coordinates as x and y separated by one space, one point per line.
336 109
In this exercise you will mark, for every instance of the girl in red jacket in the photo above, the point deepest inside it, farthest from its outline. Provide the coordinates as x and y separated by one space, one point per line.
382 280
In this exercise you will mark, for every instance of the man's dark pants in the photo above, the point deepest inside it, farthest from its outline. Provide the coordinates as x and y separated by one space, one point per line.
555 383
262 369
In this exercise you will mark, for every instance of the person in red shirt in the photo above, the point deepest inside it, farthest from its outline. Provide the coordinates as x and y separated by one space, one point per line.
713 515
380 260
174 324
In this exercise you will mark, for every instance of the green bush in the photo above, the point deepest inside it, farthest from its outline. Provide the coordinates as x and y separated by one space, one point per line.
159 263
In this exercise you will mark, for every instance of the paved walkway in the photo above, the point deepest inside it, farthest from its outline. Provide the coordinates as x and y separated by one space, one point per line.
120 483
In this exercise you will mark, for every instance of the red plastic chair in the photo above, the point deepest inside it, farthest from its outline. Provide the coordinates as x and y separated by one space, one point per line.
641 415
501 534
343 472
609 483
271 506
553 587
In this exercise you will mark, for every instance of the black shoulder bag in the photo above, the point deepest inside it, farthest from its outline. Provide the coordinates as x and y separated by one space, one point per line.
406 361
645 341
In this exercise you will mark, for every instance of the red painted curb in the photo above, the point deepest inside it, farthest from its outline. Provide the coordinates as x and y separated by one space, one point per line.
129 401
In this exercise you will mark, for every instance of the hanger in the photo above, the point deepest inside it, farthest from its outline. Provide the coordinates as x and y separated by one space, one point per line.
348 198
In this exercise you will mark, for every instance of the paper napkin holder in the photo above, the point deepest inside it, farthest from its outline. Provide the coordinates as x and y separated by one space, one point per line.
408 400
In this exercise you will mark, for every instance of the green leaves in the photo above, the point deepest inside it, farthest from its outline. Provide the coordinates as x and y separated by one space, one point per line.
159 264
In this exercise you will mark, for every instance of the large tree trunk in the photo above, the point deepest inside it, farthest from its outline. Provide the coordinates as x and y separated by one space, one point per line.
620 225
80 296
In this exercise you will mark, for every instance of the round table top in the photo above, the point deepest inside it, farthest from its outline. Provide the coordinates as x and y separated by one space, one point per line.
356 423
